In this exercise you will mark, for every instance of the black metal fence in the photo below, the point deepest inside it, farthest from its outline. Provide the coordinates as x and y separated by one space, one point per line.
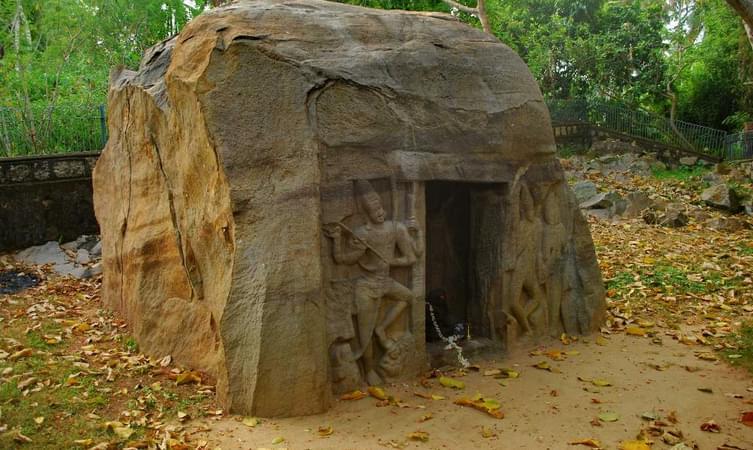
80 128
615 117
43 130
739 146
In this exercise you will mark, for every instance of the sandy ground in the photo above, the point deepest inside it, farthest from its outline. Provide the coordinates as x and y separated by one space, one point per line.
543 409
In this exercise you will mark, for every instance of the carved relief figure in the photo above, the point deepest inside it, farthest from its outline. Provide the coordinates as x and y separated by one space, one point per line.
527 303
375 247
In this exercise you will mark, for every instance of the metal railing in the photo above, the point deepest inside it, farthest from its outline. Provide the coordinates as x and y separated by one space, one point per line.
42 130
739 146
615 117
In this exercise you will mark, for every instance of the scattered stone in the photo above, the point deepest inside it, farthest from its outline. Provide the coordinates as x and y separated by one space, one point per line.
637 202
96 251
729 224
721 196
584 190
673 216
49 253
75 264
689 160
614 146
713 178
82 256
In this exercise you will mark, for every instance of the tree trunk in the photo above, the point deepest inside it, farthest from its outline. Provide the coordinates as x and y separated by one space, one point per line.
479 11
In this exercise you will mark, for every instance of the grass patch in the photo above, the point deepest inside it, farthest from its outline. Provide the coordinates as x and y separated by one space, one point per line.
742 341
745 250
620 281
682 173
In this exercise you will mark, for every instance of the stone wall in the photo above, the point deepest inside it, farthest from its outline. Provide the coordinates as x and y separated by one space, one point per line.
44 198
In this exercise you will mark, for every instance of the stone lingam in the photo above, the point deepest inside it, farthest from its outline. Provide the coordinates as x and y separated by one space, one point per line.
286 180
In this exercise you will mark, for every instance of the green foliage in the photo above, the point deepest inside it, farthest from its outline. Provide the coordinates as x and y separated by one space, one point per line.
714 87
742 343
55 57
681 173
131 345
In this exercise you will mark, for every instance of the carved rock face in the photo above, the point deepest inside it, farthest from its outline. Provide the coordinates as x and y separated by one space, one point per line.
231 200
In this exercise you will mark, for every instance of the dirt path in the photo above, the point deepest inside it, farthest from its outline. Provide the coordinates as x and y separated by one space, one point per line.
543 409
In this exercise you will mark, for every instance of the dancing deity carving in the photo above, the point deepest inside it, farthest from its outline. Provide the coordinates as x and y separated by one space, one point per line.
379 299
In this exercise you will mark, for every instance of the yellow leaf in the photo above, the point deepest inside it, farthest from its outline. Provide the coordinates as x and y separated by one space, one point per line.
20 354
593 443
509 373
634 445
492 372
278 440
123 432
82 327
451 383
707 356
489 406
377 392
419 436
601 340
187 378
437 397
601 383
635 331
355 395
112 425
39 420
250 421
326 431
425 417
84 442
487 432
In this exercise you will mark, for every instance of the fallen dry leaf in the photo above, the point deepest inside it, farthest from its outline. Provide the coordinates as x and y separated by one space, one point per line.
451 383
377 392
355 395
325 431
489 406
593 443
634 445
711 427
418 436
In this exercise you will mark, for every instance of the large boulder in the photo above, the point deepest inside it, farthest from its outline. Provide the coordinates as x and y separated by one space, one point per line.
721 196
285 179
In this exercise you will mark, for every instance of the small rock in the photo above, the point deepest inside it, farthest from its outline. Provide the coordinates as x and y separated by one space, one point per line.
96 251
713 178
730 224
637 202
721 196
584 190
95 270
672 216
82 257
598 201
49 253
689 160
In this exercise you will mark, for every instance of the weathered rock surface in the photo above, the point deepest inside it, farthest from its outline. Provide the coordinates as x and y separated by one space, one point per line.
69 259
584 190
273 172
689 160
721 196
